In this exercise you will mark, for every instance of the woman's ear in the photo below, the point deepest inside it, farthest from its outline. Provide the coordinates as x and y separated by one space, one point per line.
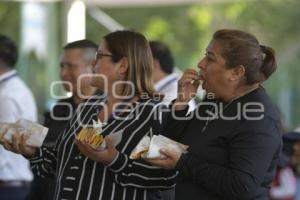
123 67
237 73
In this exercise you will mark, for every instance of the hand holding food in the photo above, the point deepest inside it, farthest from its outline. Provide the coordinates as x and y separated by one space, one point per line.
150 148
34 132
92 135
17 143
188 85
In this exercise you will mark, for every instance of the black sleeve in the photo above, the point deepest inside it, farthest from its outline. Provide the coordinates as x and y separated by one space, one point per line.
43 163
251 155
175 122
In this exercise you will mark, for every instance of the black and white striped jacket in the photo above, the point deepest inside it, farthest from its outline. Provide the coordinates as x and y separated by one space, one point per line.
78 177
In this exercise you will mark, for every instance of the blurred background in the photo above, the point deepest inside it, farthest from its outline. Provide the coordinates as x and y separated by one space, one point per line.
42 27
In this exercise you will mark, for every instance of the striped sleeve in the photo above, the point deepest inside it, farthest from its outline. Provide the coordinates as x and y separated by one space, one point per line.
43 164
138 173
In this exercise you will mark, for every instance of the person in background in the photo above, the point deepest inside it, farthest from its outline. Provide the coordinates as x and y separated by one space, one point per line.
235 135
164 77
76 71
128 109
284 185
76 60
293 139
16 101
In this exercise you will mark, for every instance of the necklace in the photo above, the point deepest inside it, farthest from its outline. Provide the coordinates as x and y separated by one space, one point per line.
208 120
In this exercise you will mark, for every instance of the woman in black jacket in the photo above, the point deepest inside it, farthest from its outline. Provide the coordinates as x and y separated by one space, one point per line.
234 136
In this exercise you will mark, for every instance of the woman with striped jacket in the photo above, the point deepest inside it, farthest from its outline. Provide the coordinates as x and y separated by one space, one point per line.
128 107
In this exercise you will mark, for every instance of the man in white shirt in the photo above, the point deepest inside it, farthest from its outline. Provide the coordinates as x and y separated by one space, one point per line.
16 101
164 77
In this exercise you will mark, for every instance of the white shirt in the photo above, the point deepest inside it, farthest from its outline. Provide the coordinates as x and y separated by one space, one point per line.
168 87
16 101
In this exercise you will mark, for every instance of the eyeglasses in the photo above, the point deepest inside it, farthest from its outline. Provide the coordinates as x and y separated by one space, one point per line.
100 55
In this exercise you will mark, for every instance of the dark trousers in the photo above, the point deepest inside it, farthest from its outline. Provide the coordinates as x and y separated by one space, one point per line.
162 195
13 193
41 189
168 194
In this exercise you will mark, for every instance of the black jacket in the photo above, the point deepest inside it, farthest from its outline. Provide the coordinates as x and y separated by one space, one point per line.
228 159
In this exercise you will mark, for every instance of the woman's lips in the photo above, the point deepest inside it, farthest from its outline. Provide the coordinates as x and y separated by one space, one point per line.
201 77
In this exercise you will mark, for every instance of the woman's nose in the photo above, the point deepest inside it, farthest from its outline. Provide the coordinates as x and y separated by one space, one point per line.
201 64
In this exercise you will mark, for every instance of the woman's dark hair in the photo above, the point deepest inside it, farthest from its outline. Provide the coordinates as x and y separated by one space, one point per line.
241 48
162 53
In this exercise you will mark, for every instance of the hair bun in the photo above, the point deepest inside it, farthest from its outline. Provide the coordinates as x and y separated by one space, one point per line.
269 65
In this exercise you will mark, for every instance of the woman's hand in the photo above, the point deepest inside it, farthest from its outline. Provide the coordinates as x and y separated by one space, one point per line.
187 87
105 156
18 144
169 162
